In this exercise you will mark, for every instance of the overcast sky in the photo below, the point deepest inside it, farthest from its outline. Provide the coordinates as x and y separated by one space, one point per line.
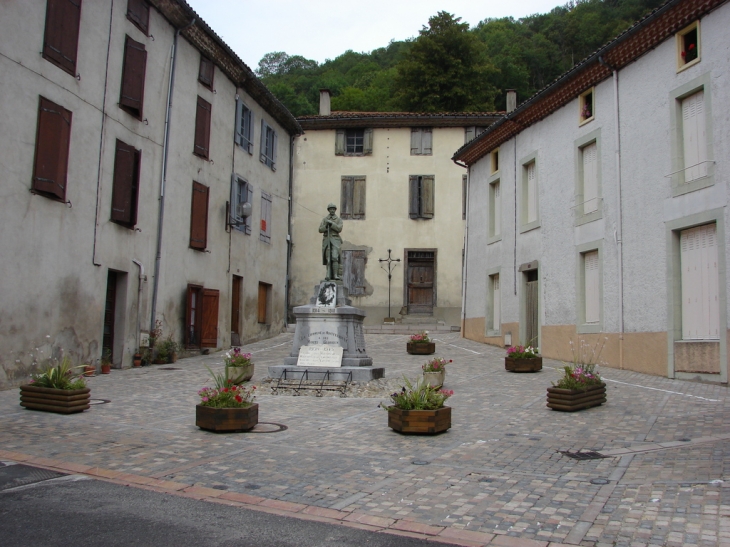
324 29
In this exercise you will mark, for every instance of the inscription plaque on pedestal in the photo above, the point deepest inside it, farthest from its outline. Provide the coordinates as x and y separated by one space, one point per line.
320 356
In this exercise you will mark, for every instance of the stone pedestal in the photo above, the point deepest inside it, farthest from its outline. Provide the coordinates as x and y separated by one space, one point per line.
331 320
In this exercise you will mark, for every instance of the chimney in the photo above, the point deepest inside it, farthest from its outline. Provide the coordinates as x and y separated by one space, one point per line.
511 100
324 102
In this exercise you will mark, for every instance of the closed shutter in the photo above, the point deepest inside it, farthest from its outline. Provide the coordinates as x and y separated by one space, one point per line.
531 198
248 130
497 215
496 304
346 197
199 217
353 271
274 148
263 302
340 142
133 74
367 141
265 217
358 198
592 293
413 196
206 72
463 196
249 199
415 141
426 141
61 38
51 154
139 13
125 187
209 327
700 284
694 137
238 137
262 149
202 128
590 178
427 196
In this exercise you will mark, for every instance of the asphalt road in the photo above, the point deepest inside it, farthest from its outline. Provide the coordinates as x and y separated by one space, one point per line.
42 508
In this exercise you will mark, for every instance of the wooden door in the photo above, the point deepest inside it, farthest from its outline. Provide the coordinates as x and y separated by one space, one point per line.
236 305
532 323
420 282
209 327
109 311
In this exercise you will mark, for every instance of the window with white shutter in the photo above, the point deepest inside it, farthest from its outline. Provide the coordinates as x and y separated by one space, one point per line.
700 283
496 303
421 141
244 126
268 145
694 139
592 289
265 235
495 209
531 193
590 178
241 193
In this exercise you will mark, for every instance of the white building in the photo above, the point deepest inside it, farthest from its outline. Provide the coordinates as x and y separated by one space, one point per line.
598 208
128 144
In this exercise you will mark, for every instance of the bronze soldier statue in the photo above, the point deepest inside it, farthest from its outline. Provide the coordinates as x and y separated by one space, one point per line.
330 228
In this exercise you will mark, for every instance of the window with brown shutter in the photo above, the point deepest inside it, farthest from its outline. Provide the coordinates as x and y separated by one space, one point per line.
52 142
138 11
126 185
264 305
202 128
131 97
61 38
353 271
421 196
199 217
352 198
206 72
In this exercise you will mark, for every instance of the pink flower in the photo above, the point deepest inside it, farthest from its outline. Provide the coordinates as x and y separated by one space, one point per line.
205 399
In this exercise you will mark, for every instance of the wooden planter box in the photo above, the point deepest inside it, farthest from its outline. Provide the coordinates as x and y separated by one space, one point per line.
226 420
420 348
424 422
532 364
435 379
61 401
570 400
238 375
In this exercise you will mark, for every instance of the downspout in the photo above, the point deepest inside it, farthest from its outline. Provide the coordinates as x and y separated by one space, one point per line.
466 255
288 231
101 137
163 175
619 221
139 295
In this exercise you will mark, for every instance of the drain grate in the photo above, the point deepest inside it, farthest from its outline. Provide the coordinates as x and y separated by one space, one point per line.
584 455
12 476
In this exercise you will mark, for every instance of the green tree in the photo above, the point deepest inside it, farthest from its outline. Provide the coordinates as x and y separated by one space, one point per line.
445 69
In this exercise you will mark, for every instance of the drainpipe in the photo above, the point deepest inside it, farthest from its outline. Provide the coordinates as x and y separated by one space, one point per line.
619 221
139 296
466 254
288 230
163 176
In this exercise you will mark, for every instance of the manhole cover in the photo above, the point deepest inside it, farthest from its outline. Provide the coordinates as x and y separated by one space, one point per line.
12 476
584 455
268 427
420 462
99 401
599 481
252 486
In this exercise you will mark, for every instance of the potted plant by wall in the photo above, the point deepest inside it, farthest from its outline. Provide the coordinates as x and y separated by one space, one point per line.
434 372
580 387
139 357
523 359
56 390
89 369
155 334
419 408
166 351
106 361
239 367
226 407
420 344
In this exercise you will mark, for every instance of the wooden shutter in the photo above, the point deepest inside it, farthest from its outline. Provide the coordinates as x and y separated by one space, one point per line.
415 141
427 196
496 304
592 292
249 199
265 217
199 217
353 271
51 153
139 13
700 284
463 196
274 148
497 209
426 141
206 72
238 137
244 126
126 183
236 283
413 197
340 142
346 197
358 198
367 141
263 302
209 327
531 197
262 149
202 128
694 137
61 38
590 178
133 73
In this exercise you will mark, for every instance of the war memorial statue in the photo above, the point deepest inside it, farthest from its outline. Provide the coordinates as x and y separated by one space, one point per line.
330 228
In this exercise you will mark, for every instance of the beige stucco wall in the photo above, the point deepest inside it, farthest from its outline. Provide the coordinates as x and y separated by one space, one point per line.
317 180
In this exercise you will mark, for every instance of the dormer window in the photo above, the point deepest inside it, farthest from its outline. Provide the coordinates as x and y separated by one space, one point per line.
688 46
587 106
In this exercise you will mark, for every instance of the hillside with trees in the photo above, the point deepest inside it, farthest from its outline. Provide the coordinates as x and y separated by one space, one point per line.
452 67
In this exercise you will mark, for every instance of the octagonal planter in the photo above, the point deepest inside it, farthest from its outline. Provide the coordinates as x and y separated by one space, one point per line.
421 348
226 420
60 401
570 400
422 422
526 364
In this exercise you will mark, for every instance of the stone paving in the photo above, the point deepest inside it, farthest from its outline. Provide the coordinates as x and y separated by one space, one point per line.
499 476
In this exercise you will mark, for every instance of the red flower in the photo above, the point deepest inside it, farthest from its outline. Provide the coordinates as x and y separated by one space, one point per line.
238 398
691 47
225 390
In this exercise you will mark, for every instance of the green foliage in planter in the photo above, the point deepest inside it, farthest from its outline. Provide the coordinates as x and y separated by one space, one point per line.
226 394
58 376
418 396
